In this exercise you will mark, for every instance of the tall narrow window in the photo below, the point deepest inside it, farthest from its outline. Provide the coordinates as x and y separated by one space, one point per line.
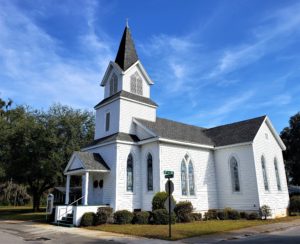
183 178
149 173
191 179
107 121
264 171
113 85
277 175
130 173
234 175
136 84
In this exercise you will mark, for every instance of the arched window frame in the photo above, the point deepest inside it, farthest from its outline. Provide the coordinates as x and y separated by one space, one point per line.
136 84
113 84
277 174
264 173
130 173
149 172
187 176
235 174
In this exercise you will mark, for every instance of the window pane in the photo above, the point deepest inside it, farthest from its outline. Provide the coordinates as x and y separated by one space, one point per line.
139 86
129 173
149 173
183 179
277 175
133 84
234 175
191 179
264 171
107 121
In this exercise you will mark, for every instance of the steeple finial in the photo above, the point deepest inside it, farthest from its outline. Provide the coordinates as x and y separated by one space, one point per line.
127 23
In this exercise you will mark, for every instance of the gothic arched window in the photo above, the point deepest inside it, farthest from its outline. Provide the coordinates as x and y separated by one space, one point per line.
183 178
113 85
130 173
277 174
136 84
264 172
234 170
191 179
149 172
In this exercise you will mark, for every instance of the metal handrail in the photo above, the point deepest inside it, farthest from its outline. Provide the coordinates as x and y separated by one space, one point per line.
70 204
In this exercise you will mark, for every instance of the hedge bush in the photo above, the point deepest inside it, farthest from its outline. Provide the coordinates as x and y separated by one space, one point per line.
230 213
211 214
104 215
123 217
265 211
88 219
253 216
159 199
221 215
161 217
294 204
183 211
244 215
141 218
196 216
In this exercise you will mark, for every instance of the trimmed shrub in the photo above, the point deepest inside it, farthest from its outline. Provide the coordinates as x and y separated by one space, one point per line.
265 211
88 219
221 215
123 217
294 204
253 216
244 215
196 216
104 215
230 213
141 217
161 217
159 199
211 214
183 211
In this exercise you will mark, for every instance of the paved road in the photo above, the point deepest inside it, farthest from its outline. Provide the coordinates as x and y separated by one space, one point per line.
289 236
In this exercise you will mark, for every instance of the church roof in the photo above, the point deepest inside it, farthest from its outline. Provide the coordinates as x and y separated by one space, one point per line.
126 55
177 131
117 136
129 96
239 132
92 161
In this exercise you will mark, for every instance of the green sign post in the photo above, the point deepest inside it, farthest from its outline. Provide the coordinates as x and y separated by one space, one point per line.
169 189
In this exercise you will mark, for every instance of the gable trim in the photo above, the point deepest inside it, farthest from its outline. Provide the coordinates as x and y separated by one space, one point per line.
275 134
111 65
71 161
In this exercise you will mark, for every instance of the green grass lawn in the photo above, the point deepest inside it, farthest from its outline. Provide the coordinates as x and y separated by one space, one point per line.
21 213
180 231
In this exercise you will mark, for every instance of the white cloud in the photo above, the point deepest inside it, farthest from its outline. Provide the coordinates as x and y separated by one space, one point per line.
31 59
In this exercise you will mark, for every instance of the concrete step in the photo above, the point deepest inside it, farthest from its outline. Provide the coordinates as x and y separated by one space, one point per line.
62 223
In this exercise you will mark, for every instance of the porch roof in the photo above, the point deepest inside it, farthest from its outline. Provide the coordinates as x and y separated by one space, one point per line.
86 161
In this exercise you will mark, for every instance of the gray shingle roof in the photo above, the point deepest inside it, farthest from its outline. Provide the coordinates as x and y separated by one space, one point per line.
177 131
92 161
117 136
127 95
238 132
126 55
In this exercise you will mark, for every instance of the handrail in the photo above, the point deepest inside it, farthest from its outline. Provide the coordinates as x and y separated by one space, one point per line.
70 204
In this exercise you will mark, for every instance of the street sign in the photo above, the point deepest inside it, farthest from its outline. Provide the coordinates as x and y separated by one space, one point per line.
169 174
173 204
169 187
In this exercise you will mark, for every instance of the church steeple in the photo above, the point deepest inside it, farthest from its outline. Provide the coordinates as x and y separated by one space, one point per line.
126 55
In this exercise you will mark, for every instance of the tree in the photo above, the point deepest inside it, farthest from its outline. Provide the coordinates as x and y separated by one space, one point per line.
41 143
291 138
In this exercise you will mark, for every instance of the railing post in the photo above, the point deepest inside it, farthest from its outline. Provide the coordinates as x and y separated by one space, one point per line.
86 188
68 190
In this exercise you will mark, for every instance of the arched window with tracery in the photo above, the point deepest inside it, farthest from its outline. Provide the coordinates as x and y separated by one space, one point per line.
149 172
234 170
264 172
136 84
113 85
187 177
191 179
130 173
277 175
183 178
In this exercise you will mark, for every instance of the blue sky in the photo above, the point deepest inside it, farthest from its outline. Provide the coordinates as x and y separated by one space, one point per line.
213 62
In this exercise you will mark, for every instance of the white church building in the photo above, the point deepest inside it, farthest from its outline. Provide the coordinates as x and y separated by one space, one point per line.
238 165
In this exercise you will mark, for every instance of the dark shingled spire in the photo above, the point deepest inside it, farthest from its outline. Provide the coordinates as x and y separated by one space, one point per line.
126 55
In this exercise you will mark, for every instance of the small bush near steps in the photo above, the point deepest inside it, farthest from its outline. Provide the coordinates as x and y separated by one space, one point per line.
183 212
141 218
88 219
123 217
104 215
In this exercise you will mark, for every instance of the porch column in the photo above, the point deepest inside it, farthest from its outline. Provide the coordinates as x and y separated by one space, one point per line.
86 188
68 189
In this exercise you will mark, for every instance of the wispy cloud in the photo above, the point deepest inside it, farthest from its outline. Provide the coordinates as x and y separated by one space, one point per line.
32 59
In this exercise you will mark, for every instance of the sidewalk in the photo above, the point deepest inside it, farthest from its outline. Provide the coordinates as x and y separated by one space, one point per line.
243 233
